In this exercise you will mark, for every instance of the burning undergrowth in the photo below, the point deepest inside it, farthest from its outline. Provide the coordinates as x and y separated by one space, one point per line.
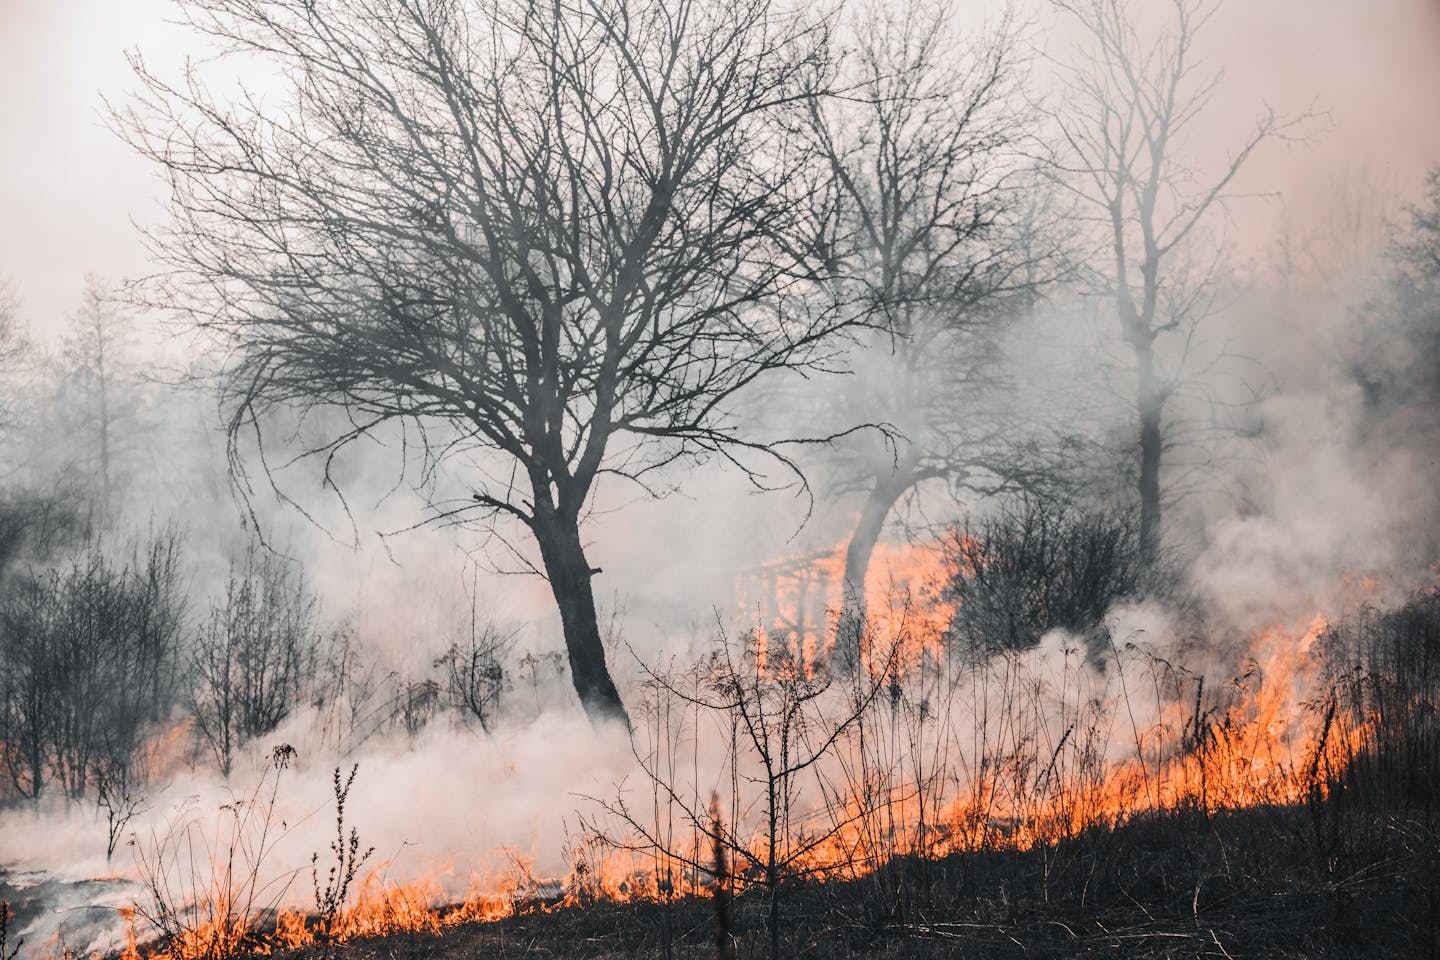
811 779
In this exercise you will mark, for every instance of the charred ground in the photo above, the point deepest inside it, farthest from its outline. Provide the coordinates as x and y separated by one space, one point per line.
1320 882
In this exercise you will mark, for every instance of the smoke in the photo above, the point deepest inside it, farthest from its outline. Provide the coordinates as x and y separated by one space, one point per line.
471 809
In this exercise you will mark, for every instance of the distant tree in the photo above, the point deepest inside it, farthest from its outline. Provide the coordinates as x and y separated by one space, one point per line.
15 350
1325 250
1417 247
38 526
1397 359
933 243
562 236
100 401
1123 117
29 694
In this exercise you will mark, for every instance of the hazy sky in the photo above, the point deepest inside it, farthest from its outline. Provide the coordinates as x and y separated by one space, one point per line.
69 189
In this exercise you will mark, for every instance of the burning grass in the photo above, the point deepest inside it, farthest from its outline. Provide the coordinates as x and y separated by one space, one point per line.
1244 883
1039 803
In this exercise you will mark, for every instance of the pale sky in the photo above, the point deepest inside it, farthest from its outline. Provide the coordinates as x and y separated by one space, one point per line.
69 189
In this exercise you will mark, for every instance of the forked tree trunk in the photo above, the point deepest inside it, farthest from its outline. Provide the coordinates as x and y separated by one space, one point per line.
569 572
850 631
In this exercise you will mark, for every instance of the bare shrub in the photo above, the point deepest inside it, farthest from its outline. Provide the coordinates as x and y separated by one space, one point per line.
473 674
255 658
115 795
780 719
1034 566
540 670
207 892
88 666
417 702
348 693
330 898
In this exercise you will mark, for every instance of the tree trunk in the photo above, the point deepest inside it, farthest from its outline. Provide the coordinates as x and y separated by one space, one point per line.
1149 403
569 572
772 866
850 631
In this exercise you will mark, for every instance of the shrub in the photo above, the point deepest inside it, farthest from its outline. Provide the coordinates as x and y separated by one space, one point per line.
256 657
1034 566
473 674
88 664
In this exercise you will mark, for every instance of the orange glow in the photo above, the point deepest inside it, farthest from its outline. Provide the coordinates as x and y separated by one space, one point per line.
797 602
1056 757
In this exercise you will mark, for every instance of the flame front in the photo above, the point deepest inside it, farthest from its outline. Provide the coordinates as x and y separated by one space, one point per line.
1011 752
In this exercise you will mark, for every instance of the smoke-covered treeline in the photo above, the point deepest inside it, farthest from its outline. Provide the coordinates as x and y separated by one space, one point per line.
137 644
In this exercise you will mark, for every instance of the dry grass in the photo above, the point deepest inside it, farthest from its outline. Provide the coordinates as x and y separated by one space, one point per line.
970 808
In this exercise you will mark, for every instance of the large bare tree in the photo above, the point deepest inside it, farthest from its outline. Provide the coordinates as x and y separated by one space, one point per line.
1127 115
934 243
563 234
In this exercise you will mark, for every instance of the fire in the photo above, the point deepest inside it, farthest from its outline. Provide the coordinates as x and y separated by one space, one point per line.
797 601
381 907
1048 755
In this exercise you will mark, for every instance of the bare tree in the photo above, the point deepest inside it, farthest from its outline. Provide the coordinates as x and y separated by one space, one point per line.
98 398
933 243
1129 107
557 235
15 349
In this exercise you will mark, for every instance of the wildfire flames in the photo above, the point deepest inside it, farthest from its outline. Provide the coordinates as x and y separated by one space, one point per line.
796 601
1067 757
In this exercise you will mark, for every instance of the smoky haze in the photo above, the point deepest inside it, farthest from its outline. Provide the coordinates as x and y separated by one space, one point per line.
1324 481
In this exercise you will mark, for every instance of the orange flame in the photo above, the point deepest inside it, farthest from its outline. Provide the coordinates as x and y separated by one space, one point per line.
1037 783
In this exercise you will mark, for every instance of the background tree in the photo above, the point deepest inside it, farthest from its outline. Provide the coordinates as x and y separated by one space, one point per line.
15 349
1128 108
557 237
99 403
933 244
89 666
1398 372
